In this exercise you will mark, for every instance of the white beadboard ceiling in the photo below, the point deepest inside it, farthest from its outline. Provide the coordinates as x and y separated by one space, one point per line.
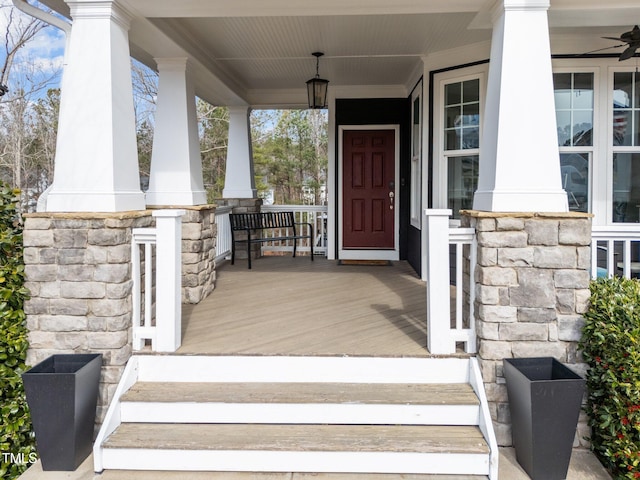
275 52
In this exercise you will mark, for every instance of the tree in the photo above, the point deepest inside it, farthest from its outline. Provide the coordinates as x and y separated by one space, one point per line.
214 133
293 156
28 112
145 93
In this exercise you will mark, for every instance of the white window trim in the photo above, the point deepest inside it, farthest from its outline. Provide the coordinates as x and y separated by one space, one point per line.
441 156
610 148
416 160
596 136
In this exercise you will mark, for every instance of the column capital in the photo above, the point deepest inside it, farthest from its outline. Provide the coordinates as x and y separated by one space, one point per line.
100 9
172 63
501 6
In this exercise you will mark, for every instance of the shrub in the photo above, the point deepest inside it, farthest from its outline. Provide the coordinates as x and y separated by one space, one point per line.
16 437
611 347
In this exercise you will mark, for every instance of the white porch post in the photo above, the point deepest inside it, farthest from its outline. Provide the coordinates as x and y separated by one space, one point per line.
169 280
96 164
239 181
519 162
439 340
176 166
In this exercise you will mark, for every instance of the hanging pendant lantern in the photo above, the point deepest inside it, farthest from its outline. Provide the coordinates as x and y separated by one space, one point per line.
317 87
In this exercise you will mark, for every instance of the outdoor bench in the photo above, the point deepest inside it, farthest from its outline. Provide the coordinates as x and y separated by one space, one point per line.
257 222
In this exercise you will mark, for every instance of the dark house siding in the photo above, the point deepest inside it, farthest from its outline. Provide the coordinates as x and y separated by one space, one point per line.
387 111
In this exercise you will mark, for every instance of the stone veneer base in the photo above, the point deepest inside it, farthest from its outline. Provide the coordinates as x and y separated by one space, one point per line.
532 288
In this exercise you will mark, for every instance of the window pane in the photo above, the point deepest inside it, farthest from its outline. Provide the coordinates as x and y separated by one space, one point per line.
574 168
415 144
471 91
622 86
451 140
462 115
583 90
462 181
582 128
471 114
453 117
636 128
574 108
626 187
563 121
562 81
470 138
453 94
622 127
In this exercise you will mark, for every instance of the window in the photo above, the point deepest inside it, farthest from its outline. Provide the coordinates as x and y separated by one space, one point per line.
416 156
625 136
461 142
574 97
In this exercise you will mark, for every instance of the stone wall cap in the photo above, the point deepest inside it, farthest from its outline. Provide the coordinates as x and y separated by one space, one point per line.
208 206
563 215
90 215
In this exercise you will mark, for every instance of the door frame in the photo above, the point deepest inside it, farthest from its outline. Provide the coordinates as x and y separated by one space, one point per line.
369 254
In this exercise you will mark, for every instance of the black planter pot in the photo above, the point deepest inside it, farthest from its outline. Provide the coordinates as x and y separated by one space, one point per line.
62 393
544 399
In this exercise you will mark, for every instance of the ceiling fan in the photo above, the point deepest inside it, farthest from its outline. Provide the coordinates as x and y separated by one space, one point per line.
631 39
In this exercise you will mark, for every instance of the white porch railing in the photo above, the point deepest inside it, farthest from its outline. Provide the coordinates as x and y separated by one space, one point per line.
159 319
449 324
223 237
615 250
316 215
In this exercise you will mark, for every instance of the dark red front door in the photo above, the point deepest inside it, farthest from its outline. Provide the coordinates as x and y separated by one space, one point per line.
368 189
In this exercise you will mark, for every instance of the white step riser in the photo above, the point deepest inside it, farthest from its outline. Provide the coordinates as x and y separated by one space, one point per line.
302 369
261 461
143 412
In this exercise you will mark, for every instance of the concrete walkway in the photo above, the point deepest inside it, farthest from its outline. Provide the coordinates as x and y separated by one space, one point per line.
584 466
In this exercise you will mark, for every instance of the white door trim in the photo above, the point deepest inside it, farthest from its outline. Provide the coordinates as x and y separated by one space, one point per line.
369 254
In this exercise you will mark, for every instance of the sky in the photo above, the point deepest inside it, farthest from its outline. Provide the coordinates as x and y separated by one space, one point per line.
41 58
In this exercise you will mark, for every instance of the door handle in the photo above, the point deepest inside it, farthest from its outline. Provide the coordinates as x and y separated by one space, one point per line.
391 196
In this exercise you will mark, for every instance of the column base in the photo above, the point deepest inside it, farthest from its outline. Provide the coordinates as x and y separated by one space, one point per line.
159 198
60 201
521 201
240 193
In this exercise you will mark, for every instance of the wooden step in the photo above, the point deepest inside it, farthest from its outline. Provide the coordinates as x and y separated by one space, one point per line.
351 403
172 475
260 392
299 448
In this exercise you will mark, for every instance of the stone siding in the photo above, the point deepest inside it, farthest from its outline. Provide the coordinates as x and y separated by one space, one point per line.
199 234
78 270
532 287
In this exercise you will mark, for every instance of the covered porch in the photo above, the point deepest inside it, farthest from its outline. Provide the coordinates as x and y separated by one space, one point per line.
292 306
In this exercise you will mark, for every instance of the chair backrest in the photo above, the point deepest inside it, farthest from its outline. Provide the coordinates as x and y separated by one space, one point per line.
261 221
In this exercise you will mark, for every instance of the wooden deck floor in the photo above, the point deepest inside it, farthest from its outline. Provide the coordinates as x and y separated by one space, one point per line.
292 306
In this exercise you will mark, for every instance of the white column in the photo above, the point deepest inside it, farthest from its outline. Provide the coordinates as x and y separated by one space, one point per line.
96 164
439 339
169 280
239 181
519 160
176 165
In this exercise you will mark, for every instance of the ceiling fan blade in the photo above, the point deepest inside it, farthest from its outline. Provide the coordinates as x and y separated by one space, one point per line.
615 38
633 35
628 53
